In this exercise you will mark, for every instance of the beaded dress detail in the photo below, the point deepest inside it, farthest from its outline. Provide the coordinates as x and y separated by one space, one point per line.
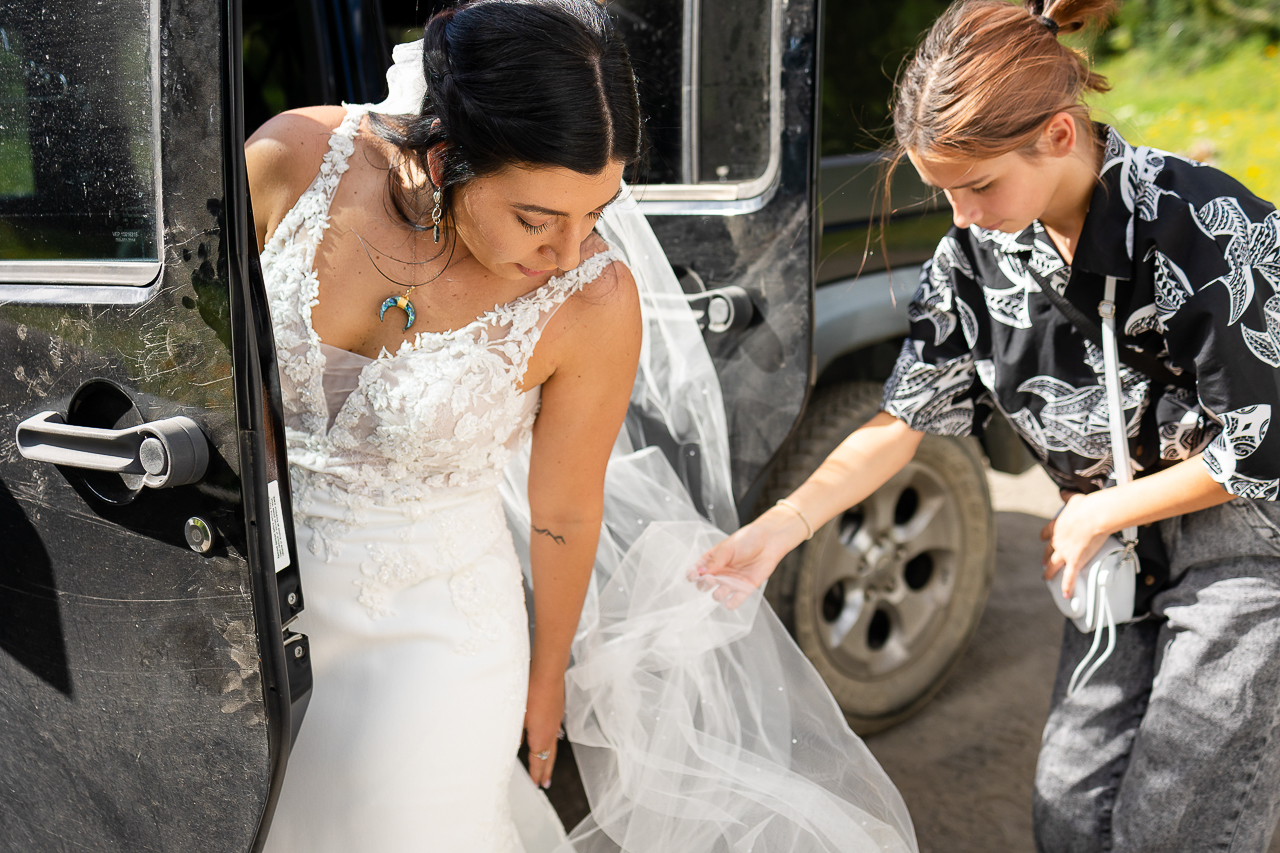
414 596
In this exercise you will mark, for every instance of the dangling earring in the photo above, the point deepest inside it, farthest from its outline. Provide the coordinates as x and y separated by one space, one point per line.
436 214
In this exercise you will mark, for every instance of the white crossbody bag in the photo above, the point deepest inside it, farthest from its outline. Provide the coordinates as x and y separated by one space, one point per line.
1104 591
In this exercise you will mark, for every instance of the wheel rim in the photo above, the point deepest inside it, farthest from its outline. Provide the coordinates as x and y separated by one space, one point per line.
884 574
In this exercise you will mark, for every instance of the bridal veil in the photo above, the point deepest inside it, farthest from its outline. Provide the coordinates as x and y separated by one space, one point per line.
695 728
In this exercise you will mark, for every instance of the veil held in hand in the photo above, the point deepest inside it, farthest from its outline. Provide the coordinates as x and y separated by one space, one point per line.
695 728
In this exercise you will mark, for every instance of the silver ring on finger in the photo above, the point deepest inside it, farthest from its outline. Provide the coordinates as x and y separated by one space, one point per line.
542 756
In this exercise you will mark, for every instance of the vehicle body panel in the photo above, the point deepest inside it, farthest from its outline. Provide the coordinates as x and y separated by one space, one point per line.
144 685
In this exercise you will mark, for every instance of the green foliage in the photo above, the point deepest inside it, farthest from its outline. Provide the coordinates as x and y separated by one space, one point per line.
1226 113
1191 33
1198 77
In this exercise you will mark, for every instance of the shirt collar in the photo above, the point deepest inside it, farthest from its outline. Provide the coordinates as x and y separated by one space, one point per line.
1033 246
1102 249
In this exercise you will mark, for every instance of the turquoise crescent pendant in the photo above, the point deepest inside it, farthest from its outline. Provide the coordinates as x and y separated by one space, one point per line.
403 303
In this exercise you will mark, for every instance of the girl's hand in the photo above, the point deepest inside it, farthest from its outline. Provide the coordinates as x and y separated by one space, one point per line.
740 564
1073 538
543 714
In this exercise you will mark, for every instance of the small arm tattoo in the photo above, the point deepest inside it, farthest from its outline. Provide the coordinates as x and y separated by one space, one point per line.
559 540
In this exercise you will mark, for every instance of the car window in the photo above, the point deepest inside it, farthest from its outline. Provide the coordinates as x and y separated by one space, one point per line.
864 44
78 142
708 73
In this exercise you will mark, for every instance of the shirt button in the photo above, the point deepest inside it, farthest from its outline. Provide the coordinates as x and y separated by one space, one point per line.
1148 579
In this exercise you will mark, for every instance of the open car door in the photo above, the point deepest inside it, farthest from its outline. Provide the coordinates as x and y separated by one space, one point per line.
148 687
730 188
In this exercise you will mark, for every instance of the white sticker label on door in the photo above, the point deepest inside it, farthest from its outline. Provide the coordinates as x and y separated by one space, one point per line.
279 545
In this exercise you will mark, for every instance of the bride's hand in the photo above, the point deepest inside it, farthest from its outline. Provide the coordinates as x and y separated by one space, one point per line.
544 711
740 564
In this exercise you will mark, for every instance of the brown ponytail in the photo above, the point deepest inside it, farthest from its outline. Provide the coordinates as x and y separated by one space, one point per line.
990 74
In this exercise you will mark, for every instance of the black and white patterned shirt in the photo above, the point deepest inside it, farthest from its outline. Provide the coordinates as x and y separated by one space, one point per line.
1199 259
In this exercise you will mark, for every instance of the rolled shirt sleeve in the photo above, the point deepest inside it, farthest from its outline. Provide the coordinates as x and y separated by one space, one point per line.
1228 326
935 387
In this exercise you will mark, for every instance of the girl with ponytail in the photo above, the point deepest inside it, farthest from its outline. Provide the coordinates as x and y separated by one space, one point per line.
1170 746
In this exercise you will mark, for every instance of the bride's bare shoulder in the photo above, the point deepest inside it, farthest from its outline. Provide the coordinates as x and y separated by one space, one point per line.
604 314
613 284
283 157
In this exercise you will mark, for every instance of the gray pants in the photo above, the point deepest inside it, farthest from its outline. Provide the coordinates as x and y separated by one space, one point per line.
1174 745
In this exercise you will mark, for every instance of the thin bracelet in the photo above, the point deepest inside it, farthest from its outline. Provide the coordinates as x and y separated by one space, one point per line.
789 505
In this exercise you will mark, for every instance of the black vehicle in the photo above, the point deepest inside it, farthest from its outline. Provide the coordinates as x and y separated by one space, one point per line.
150 684
150 688
762 184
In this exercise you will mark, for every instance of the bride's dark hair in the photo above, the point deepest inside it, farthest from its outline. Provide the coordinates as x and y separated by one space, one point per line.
516 82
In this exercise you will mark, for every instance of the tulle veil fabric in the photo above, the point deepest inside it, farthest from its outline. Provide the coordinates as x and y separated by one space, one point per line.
696 729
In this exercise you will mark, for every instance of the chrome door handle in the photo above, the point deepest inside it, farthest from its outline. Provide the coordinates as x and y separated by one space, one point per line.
168 452
722 309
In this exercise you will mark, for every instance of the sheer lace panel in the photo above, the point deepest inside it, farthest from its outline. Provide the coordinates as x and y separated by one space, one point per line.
443 411
341 376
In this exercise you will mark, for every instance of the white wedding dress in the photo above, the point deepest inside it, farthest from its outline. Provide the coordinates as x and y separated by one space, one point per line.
696 728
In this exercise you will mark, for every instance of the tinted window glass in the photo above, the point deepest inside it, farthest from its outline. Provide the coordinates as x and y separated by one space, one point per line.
703 69
78 131
654 33
733 110
864 44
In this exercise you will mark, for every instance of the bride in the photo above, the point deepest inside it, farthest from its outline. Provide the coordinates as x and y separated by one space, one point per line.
461 292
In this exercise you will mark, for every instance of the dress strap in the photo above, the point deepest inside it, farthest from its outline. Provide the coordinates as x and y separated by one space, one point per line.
524 319
341 143
569 283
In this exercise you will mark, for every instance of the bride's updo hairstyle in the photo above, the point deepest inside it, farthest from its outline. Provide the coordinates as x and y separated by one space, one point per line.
989 76
516 82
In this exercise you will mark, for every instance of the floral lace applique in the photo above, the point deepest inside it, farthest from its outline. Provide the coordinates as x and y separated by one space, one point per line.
441 416
288 266
462 533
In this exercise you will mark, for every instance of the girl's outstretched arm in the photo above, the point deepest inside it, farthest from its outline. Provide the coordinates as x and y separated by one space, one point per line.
863 462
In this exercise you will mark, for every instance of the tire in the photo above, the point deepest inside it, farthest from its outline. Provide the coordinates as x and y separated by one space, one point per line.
883 599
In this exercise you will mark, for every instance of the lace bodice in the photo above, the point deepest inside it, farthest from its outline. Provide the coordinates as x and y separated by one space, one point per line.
443 411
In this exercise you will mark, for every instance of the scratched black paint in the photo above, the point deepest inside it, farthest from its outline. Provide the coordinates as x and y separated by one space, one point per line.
142 685
764 369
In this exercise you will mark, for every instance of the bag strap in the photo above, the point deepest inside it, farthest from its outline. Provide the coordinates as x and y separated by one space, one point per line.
1101 576
1115 400
1139 361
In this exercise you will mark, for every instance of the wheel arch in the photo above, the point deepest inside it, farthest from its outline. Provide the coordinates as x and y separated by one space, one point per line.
858 316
